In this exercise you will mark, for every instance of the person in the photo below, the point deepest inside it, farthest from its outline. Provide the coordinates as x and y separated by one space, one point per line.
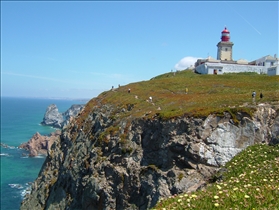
129 90
261 95
253 94
150 99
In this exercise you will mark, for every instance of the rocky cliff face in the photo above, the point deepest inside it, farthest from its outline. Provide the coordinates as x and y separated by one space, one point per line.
105 162
56 119
39 144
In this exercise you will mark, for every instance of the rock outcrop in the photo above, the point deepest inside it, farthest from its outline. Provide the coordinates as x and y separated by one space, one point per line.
53 117
39 144
56 119
105 162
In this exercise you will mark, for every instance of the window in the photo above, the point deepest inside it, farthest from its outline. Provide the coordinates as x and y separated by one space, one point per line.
226 49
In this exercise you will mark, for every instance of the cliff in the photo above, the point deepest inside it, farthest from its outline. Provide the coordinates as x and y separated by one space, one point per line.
124 151
107 162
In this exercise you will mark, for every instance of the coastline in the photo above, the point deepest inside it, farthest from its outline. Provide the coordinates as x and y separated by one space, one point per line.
20 119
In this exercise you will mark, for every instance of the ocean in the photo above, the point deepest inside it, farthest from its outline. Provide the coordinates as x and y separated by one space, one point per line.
20 119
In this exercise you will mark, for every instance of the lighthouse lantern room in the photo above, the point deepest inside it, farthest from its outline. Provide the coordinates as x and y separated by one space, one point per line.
224 52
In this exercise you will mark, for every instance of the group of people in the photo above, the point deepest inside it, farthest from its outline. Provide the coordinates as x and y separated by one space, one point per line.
186 91
149 99
254 94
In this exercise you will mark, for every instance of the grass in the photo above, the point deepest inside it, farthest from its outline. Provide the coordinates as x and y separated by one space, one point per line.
206 94
251 181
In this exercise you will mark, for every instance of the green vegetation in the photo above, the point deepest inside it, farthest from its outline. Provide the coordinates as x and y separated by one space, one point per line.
251 181
206 94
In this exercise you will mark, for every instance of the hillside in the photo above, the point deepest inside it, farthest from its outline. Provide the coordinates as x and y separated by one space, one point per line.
248 181
206 94
123 151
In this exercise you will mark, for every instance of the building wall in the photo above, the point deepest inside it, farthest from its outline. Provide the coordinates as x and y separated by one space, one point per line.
274 70
264 62
225 53
221 68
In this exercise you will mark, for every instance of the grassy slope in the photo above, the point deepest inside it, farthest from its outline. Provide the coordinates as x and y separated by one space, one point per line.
206 94
250 182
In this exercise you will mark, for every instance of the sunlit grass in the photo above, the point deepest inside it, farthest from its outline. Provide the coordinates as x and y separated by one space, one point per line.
206 94
251 181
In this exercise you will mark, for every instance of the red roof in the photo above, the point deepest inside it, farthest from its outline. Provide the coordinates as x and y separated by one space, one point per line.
225 30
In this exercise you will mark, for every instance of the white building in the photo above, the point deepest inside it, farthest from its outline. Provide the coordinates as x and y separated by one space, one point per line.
267 61
225 64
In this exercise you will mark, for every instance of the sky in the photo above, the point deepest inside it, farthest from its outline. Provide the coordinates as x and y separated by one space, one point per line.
78 49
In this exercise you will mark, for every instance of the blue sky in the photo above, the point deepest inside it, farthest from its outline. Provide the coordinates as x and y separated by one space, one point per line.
80 49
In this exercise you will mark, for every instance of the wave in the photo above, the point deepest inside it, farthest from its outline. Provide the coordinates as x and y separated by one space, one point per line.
25 192
40 156
17 186
7 146
4 154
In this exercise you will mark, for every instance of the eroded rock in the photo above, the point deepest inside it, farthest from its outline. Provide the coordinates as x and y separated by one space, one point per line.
143 160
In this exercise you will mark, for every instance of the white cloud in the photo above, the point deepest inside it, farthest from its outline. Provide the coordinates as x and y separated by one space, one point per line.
185 62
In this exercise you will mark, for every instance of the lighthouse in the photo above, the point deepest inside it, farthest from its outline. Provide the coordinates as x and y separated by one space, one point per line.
224 52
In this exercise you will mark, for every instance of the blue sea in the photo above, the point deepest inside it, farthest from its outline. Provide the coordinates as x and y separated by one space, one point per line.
20 119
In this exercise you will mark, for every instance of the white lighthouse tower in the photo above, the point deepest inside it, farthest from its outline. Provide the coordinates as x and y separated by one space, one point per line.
224 52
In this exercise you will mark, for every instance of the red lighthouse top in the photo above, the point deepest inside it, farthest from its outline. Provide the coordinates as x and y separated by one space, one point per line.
225 35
